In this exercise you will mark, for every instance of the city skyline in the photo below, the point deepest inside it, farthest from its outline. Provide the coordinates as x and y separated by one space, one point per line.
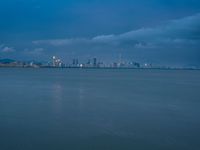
158 31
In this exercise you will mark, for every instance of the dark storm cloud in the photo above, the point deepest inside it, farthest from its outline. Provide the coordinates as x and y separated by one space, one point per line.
182 31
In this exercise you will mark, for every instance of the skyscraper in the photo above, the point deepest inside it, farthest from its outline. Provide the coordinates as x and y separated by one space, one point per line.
54 61
94 62
75 62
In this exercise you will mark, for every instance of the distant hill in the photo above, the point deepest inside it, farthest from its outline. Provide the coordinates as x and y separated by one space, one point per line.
7 61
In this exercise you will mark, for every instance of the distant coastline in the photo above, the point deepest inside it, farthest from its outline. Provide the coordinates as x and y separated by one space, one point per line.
10 63
100 68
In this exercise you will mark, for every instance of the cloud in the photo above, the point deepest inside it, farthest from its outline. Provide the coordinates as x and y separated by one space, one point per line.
175 41
6 49
180 31
104 38
36 51
61 42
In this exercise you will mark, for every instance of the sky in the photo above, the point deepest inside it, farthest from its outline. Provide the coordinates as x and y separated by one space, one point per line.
164 32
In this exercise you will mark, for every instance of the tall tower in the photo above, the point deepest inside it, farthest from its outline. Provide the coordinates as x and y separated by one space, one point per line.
120 58
94 62
54 61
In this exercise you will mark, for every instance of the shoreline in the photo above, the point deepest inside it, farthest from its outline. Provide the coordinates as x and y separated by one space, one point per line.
93 68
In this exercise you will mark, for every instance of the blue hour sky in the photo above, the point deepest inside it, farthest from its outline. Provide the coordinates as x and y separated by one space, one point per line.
156 31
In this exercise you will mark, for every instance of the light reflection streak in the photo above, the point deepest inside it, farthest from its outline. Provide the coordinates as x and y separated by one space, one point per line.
57 97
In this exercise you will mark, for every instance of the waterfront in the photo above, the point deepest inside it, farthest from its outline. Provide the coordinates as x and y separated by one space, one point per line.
99 109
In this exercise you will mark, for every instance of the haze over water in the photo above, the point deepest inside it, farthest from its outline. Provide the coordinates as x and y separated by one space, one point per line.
99 109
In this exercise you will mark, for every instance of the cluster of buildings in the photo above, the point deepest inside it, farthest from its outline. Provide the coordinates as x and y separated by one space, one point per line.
56 62
91 63
21 64
76 63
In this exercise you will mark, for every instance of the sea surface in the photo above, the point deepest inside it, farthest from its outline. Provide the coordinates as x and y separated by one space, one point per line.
99 109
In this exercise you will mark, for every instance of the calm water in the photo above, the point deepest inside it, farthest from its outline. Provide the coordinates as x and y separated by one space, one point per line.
76 109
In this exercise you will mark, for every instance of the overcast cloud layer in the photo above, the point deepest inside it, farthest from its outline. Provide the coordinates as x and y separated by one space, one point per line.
157 31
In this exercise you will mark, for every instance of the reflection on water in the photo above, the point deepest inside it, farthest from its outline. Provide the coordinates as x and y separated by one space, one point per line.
99 109
57 93
81 97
